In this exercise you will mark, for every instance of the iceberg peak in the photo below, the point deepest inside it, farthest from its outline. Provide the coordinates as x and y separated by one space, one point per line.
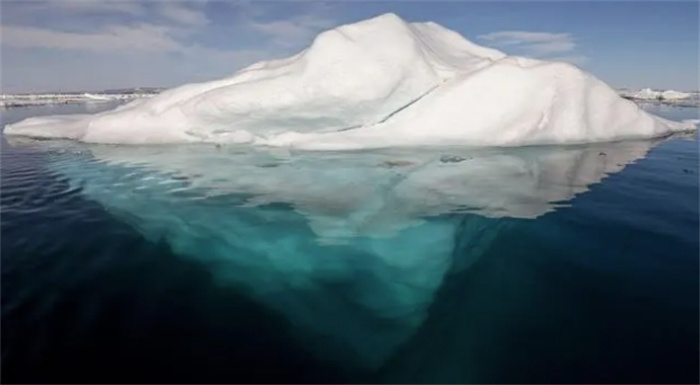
379 82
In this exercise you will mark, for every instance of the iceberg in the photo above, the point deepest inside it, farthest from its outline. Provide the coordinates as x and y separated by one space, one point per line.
381 82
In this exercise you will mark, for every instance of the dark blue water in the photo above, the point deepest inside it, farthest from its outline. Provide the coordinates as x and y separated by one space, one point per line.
540 265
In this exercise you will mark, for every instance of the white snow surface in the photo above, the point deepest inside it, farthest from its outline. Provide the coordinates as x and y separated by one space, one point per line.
381 82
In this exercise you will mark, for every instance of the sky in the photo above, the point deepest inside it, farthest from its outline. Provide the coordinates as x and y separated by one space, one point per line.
72 45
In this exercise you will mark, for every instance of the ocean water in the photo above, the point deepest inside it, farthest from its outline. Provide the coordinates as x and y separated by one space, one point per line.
210 264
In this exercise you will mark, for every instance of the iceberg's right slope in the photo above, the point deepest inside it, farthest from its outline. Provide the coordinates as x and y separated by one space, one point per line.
513 102
381 82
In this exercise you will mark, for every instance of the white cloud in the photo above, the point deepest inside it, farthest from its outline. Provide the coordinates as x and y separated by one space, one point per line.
122 40
292 32
190 13
576 59
518 37
552 47
307 19
535 43
179 12
83 70
137 42
86 6
111 39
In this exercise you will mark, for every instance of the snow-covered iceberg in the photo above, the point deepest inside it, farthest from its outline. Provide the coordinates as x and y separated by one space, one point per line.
382 82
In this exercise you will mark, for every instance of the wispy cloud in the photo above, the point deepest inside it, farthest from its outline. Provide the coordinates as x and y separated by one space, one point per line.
112 43
86 6
182 13
111 39
292 32
190 13
574 59
154 25
533 43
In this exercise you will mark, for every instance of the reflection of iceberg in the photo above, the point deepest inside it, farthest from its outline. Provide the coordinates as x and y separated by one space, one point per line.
351 254
381 82
522 182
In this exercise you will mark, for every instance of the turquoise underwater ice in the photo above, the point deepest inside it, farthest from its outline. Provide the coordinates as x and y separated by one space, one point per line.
350 247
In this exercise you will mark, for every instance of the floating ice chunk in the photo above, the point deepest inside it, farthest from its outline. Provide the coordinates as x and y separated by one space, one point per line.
69 126
649 94
377 83
675 95
97 97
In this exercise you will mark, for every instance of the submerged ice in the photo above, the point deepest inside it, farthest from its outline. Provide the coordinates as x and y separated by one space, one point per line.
353 254
381 82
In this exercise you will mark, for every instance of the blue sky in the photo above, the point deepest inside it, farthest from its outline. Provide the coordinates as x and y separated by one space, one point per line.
97 44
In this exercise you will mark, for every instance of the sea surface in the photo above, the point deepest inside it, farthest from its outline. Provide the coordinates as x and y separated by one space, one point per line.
206 264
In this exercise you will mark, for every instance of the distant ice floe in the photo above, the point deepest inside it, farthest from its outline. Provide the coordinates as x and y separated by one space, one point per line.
28 100
381 82
649 94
